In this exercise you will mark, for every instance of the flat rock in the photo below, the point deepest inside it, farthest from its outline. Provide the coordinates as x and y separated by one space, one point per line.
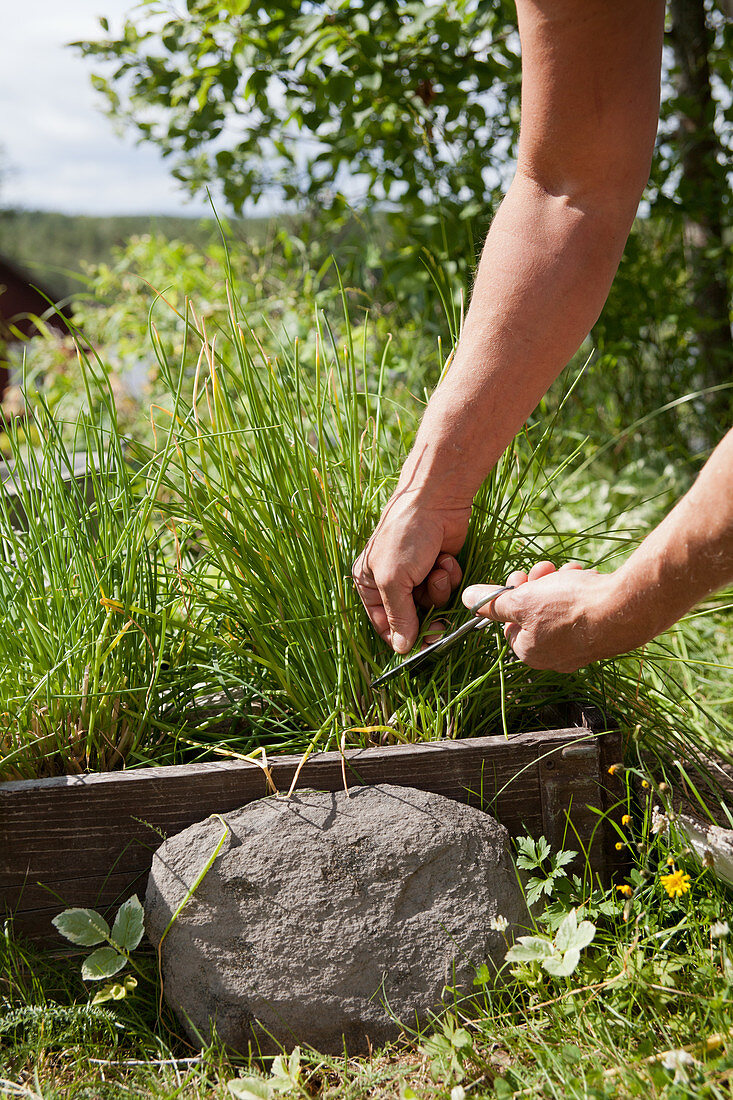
326 918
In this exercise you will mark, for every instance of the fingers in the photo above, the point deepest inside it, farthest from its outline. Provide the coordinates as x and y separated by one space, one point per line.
481 594
390 606
435 631
517 577
541 569
438 587
401 613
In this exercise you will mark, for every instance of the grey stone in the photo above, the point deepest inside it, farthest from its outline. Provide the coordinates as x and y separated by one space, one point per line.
326 918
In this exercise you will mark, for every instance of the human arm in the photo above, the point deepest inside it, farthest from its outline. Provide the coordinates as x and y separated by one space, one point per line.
568 618
590 101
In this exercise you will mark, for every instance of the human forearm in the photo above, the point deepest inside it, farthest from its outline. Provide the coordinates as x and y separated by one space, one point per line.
590 96
544 275
564 619
688 556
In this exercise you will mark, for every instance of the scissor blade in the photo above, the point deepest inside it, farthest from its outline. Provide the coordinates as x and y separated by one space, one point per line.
442 644
445 643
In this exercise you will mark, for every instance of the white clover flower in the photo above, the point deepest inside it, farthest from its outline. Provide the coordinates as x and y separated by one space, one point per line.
660 821
720 929
499 923
458 1093
677 1061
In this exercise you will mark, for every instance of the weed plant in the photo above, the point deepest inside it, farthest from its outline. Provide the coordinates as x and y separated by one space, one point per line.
644 1008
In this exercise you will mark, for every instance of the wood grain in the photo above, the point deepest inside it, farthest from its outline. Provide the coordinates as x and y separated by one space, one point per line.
89 840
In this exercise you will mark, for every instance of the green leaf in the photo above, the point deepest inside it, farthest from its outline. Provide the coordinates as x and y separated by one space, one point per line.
461 1038
560 966
483 975
529 949
542 849
584 935
286 1072
250 1088
113 991
102 963
566 931
129 926
83 926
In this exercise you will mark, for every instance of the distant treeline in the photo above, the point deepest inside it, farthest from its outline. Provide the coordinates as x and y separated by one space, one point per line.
56 250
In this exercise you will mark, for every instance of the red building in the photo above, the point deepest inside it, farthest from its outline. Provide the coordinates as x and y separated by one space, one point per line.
20 301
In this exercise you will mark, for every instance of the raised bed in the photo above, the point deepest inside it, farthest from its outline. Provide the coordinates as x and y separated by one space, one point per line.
89 840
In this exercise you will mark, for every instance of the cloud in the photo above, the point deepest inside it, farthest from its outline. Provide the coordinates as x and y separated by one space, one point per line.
62 152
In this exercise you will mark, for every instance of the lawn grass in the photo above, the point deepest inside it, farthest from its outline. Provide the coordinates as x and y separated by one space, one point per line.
647 1012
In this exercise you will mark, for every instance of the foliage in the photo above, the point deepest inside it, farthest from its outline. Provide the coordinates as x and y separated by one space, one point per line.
207 546
285 1077
559 956
415 107
61 251
408 97
534 855
87 928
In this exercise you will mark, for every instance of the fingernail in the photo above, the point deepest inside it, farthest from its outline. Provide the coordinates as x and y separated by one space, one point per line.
442 583
400 643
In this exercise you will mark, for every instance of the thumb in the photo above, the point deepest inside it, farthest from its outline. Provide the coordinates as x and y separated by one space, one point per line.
502 609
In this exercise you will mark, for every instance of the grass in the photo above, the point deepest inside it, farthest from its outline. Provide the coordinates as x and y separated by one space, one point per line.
88 602
648 1010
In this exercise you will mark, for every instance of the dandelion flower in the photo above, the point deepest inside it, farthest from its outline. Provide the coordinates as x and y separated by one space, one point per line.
676 884
499 923
626 819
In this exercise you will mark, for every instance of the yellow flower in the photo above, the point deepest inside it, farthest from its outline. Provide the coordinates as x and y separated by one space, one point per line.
619 845
626 819
613 769
625 890
645 784
670 861
676 884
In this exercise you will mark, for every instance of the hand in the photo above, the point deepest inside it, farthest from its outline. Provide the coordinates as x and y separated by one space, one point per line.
561 619
409 561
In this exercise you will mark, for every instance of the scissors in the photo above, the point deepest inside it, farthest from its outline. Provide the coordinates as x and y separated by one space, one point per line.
478 622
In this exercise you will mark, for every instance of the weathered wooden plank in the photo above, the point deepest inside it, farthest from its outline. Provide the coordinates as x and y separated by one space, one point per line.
89 840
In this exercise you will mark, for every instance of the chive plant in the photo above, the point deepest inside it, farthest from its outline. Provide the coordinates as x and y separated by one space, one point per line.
91 630
282 466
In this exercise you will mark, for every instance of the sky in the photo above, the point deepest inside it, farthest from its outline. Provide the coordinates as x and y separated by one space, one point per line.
60 151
